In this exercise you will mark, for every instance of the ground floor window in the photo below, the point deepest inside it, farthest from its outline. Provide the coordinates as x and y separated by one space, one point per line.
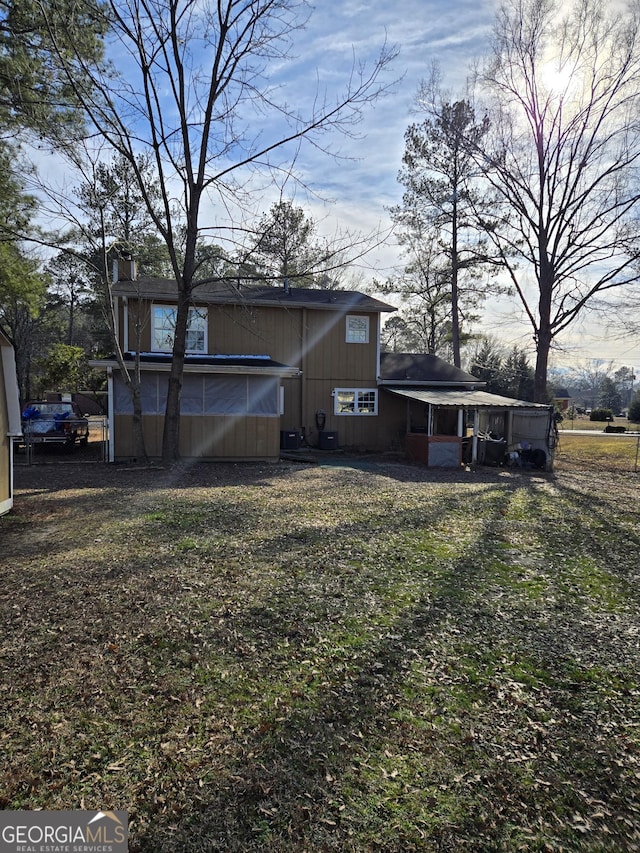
355 401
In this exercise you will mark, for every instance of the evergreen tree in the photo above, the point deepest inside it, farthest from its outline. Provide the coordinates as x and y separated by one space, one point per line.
634 408
609 397
287 251
518 375
486 365
441 204
41 82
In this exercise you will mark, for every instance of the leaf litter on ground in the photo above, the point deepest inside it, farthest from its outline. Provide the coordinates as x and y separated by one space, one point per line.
294 657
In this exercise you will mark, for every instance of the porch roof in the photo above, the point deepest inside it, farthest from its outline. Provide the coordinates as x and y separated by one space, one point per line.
219 363
458 399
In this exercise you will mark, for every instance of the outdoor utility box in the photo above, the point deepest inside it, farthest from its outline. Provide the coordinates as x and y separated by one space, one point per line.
491 451
289 439
328 439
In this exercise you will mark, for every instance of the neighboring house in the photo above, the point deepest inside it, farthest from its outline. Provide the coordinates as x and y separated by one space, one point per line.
9 421
562 399
271 368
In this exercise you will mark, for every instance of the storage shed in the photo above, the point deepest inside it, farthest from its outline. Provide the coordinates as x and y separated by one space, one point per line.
9 421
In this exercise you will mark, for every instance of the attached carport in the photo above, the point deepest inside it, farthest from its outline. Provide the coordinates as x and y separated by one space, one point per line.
448 427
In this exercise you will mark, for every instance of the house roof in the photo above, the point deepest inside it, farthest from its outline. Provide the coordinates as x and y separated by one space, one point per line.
467 399
402 368
226 292
220 363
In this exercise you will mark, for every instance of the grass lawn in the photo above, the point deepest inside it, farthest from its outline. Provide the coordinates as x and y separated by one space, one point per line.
583 422
362 656
609 451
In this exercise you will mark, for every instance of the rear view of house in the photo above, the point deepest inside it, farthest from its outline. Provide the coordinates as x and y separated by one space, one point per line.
261 362
272 368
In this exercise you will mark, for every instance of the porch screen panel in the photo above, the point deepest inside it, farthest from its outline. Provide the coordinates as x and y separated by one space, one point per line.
192 399
530 426
163 390
153 393
149 394
225 395
122 403
263 397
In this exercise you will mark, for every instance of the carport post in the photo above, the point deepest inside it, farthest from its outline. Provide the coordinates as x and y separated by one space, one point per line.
110 416
474 443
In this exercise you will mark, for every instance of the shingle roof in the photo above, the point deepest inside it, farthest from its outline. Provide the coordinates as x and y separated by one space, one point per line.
419 368
228 293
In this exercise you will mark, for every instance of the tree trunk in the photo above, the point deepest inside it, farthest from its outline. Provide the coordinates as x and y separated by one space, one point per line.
544 332
455 313
171 432
139 448
540 394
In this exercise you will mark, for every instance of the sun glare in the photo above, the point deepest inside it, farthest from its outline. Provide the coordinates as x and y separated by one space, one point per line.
557 78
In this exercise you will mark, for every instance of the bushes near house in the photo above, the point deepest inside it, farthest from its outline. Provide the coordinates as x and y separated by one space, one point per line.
601 415
634 408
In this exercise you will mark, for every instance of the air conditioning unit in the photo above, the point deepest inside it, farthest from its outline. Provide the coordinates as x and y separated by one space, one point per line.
289 439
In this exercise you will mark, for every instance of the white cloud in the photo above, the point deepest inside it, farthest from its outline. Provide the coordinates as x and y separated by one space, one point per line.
355 191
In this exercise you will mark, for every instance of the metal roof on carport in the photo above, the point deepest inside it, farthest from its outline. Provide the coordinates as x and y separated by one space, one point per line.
465 399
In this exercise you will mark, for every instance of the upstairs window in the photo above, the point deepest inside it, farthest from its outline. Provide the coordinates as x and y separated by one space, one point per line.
357 329
164 324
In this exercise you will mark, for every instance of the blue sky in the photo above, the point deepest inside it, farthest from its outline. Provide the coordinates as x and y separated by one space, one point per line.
360 190
355 191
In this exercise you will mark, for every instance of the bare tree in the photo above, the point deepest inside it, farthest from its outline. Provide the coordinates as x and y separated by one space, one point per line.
587 379
105 220
192 79
564 154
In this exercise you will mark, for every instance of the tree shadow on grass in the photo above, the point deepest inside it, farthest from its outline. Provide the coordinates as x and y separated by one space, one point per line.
306 777
469 682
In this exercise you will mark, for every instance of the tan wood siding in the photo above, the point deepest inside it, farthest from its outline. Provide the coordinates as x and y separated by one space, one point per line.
137 313
292 417
288 335
312 340
235 329
330 356
206 437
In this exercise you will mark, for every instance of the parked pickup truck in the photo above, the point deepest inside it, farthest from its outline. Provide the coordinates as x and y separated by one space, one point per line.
45 422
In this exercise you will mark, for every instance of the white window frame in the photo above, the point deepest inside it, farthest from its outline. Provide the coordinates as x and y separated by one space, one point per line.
166 344
357 329
358 401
